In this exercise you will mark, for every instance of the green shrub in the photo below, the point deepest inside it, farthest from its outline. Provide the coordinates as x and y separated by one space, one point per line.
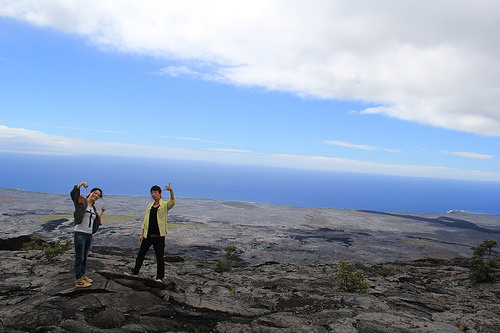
58 248
225 264
35 243
386 270
350 279
231 253
49 251
482 266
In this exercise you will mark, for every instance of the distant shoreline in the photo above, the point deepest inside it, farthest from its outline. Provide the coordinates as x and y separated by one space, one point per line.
451 211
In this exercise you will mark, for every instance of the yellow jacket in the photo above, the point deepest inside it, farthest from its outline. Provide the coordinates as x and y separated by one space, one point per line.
162 215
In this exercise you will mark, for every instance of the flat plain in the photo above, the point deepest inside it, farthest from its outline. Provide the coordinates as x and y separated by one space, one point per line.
262 233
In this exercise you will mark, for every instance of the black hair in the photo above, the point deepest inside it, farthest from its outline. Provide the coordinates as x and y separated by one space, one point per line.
96 189
155 188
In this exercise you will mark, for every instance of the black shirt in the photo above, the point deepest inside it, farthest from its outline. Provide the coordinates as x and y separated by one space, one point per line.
153 229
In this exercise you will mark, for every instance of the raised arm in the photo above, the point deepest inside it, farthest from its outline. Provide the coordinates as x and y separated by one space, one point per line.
103 209
75 192
85 184
169 188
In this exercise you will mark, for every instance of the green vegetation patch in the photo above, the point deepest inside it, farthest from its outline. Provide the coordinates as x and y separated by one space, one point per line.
109 219
225 264
483 267
182 225
350 279
106 219
50 250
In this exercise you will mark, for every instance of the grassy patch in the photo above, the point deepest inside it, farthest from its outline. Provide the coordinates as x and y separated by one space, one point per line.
182 225
109 219
115 218
47 218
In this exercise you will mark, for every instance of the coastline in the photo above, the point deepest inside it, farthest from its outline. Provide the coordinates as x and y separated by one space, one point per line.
280 202
247 183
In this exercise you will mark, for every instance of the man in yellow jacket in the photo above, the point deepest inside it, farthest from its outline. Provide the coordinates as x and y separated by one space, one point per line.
154 230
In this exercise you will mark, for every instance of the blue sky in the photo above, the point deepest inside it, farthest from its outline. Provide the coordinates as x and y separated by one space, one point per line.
339 85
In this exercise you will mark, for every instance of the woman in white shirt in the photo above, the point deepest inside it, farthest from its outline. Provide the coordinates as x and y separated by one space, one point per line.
87 221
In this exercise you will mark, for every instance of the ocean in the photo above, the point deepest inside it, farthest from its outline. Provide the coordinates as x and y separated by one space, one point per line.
279 186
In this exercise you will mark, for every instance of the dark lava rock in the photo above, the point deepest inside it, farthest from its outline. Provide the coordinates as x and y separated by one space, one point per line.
15 243
38 295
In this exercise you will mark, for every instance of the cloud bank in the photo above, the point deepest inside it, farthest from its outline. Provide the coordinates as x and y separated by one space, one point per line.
435 63
22 141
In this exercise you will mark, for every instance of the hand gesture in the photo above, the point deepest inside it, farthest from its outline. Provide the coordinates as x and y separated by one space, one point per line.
168 187
85 184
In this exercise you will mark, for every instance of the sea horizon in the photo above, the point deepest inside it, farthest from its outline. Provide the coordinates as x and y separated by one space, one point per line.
245 183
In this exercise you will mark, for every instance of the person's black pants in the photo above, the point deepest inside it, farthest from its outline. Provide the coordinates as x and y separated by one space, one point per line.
159 247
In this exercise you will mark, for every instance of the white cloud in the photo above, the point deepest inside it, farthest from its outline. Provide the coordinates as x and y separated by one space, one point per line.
424 61
18 140
470 155
392 150
69 128
349 145
28 141
228 150
196 140
341 164
181 138
357 146
178 71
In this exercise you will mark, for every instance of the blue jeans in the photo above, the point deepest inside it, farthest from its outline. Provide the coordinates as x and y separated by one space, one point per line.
82 246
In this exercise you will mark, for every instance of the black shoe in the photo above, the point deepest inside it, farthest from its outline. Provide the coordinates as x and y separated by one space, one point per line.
131 273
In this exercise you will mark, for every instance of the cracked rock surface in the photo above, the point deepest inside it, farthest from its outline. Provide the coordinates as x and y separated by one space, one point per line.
284 283
428 295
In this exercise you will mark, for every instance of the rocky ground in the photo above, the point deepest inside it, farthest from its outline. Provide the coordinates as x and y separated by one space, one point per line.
428 295
285 282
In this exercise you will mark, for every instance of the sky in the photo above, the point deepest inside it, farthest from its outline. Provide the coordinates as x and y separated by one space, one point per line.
407 88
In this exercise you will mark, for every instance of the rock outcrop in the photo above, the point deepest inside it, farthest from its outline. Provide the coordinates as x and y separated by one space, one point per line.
429 295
